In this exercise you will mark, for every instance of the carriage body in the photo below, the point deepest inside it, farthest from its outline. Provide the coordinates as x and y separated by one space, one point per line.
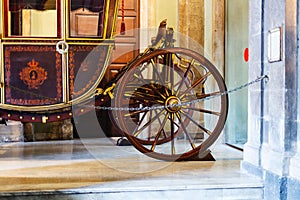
44 46
170 102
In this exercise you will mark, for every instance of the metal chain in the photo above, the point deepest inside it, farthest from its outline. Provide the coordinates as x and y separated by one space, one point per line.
259 79
173 105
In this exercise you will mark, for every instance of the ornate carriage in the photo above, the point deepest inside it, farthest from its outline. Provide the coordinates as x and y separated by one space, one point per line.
169 102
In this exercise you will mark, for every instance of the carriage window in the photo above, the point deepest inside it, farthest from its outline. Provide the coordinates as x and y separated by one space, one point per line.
32 18
86 18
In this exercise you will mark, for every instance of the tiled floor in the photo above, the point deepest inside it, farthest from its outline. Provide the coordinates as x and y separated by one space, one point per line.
98 166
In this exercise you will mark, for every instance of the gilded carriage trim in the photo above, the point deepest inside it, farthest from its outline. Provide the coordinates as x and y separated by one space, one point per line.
112 20
88 85
114 25
33 75
107 3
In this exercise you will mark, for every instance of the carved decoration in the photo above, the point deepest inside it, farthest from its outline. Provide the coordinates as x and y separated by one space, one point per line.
33 75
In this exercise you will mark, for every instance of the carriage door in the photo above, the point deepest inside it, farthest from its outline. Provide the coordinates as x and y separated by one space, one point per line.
236 70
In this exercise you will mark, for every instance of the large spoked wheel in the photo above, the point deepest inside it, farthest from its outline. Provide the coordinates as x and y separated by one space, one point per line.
175 105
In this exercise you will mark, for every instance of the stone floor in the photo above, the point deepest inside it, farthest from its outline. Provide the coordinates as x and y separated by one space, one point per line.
98 169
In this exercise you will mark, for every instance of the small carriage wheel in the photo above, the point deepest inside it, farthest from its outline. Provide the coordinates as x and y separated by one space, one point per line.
177 103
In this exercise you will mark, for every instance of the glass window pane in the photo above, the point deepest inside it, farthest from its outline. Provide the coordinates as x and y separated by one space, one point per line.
32 18
86 18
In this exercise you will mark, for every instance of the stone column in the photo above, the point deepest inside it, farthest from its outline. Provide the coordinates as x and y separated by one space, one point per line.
273 112
293 183
279 101
218 34
252 149
191 20
192 23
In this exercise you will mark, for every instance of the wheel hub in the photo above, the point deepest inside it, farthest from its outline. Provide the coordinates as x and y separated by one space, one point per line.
173 104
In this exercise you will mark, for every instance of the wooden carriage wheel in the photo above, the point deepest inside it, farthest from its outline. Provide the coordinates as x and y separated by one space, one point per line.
176 110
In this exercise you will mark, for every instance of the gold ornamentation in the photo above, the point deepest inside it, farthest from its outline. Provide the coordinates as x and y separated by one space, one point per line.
108 91
33 75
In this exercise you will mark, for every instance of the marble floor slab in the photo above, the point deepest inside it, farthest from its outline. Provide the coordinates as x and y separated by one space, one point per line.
98 166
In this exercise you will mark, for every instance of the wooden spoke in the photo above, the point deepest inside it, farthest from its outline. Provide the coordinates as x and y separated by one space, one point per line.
202 96
154 67
149 129
172 133
147 124
159 132
148 97
171 72
197 124
163 130
203 111
185 131
200 80
135 113
140 122
185 76
147 83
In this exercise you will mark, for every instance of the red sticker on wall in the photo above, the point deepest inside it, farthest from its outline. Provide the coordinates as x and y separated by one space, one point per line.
246 55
